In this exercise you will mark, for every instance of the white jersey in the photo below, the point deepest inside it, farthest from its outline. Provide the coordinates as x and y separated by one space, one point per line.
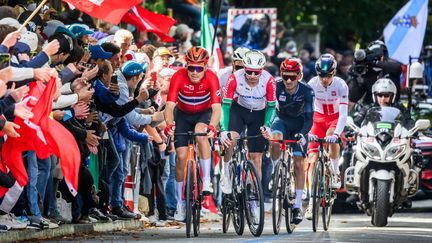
224 75
327 100
252 98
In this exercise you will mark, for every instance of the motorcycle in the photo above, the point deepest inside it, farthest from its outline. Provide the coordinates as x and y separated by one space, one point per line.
383 174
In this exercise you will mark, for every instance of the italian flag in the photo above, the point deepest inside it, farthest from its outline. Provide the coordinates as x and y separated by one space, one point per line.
207 35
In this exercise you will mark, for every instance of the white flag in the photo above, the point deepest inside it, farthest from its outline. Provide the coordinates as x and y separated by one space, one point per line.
405 32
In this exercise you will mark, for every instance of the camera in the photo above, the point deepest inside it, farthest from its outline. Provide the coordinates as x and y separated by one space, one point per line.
4 60
364 60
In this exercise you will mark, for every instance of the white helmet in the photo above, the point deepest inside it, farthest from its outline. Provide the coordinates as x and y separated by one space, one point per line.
384 85
239 53
254 60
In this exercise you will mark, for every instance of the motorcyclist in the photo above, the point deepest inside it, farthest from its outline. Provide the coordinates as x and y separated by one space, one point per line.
370 65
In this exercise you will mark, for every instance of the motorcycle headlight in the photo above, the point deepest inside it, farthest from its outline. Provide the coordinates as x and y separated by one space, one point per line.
371 150
395 151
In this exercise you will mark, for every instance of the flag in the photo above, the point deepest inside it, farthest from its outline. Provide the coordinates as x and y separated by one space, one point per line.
43 135
405 32
144 19
108 10
207 35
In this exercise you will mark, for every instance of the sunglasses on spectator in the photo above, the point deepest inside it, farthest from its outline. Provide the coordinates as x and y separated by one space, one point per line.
385 95
253 72
197 69
290 77
238 67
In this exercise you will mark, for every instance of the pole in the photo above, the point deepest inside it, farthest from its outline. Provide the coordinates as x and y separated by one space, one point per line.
32 15
217 25
409 86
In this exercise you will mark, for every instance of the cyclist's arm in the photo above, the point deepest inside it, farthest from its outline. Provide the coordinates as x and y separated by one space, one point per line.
343 109
271 102
308 116
227 102
169 112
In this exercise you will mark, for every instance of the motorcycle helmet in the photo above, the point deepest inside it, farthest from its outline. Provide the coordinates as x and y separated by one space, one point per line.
254 60
326 65
239 53
384 86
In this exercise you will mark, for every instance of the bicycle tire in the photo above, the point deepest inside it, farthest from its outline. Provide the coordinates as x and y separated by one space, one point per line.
250 171
189 197
226 214
289 220
237 213
197 203
278 194
327 202
316 194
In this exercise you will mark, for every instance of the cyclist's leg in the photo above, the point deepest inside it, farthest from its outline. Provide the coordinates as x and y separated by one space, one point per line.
278 129
204 157
256 146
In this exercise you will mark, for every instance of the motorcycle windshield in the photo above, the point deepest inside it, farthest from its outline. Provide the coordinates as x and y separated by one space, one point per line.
383 119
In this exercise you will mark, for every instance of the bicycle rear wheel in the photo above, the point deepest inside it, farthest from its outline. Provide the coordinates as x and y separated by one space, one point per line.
189 197
237 212
197 203
316 193
253 199
226 213
328 200
278 196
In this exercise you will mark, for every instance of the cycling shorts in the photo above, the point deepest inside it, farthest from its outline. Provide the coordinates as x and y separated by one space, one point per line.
185 122
241 118
288 129
321 123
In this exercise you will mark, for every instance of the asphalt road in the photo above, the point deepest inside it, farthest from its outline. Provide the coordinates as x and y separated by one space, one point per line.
402 227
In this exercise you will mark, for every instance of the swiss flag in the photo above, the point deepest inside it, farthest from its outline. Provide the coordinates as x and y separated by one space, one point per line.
108 10
43 135
144 19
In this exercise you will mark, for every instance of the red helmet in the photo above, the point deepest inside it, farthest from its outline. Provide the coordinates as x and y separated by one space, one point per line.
197 54
291 65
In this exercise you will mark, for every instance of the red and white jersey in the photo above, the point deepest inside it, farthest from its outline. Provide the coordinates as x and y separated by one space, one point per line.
252 98
327 100
193 98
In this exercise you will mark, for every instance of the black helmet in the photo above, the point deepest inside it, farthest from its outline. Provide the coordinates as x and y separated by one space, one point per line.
378 48
326 65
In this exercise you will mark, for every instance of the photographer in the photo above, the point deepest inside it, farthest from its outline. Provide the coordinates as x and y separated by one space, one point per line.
370 65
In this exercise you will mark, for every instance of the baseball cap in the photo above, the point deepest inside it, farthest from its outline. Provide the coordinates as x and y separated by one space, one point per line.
51 27
96 51
162 51
66 31
133 68
11 22
29 38
79 30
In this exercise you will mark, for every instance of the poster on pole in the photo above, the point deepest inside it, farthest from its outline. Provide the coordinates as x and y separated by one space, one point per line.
254 28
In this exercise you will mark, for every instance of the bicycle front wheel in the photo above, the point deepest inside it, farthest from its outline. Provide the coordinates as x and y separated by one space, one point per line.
328 200
237 202
278 196
189 186
316 193
290 199
253 199
197 203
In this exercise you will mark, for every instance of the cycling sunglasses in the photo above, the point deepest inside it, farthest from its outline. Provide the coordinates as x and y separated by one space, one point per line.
290 77
385 95
253 72
197 69
238 67
328 75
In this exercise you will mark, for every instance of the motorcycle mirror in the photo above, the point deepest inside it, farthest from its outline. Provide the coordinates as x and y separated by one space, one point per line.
350 123
421 124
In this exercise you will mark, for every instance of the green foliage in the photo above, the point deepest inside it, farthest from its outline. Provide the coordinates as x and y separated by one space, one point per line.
362 19
157 6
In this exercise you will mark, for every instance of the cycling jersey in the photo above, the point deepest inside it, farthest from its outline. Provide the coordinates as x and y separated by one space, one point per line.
193 98
331 100
260 97
297 105
224 75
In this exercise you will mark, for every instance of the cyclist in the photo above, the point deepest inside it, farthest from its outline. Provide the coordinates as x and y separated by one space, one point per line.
253 92
193 104
237 64
294 120
330 115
